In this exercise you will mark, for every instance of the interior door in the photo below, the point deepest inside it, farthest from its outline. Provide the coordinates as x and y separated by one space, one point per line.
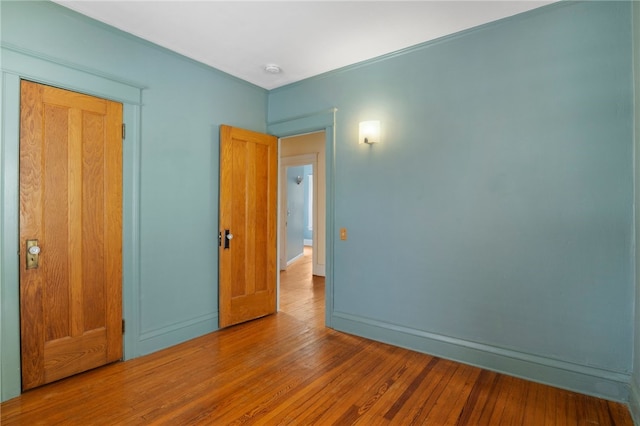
248 225
70 232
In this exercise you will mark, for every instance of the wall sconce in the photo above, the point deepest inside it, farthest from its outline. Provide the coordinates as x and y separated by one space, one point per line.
369 132
298 180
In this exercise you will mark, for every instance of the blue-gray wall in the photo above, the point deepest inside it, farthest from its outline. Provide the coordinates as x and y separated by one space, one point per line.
171 167
494 223
635 378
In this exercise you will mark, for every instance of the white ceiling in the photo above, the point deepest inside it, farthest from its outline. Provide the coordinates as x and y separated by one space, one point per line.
304 38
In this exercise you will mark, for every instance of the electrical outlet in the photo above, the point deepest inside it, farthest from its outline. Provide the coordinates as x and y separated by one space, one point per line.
343 233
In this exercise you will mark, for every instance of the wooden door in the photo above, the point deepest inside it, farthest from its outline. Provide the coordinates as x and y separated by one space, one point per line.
71 203
248 226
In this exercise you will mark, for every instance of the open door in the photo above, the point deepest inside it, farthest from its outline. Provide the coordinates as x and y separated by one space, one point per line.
247 225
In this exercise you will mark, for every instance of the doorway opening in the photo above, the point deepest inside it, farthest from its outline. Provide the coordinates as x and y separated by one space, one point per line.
302 224
297 208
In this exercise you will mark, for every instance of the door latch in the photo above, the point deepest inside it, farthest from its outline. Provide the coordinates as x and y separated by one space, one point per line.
33 254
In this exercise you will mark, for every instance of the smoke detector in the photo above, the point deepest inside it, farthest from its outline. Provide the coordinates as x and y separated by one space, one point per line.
272 69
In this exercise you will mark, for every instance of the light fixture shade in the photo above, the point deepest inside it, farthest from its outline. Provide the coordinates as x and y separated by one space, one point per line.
369 132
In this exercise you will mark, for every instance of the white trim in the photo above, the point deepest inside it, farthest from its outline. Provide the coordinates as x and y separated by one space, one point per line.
301 255
311 195
321 271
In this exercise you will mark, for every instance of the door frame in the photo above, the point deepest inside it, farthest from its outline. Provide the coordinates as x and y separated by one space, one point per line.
317 122
293 161
18 65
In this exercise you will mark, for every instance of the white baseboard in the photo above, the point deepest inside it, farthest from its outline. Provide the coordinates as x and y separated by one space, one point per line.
318 270
289 262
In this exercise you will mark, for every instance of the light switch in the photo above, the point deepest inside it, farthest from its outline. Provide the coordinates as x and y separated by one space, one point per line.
343 233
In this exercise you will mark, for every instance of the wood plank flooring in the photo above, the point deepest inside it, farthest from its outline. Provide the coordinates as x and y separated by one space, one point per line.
287 369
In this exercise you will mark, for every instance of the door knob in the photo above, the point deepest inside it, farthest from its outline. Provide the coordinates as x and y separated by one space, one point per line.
33 254
227 238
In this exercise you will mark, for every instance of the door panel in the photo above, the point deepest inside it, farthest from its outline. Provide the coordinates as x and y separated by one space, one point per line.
71 202
248 209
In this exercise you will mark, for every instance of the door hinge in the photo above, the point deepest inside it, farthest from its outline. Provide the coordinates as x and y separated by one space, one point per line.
124 131
122 326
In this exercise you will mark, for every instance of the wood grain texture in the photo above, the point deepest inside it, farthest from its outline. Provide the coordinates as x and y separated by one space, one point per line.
71 201
113 230
288 369
248 197
31 227
53 239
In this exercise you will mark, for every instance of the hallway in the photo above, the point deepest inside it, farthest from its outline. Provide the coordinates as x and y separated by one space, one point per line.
302 294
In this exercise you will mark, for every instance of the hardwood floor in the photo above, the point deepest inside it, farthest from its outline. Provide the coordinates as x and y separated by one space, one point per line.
288 369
